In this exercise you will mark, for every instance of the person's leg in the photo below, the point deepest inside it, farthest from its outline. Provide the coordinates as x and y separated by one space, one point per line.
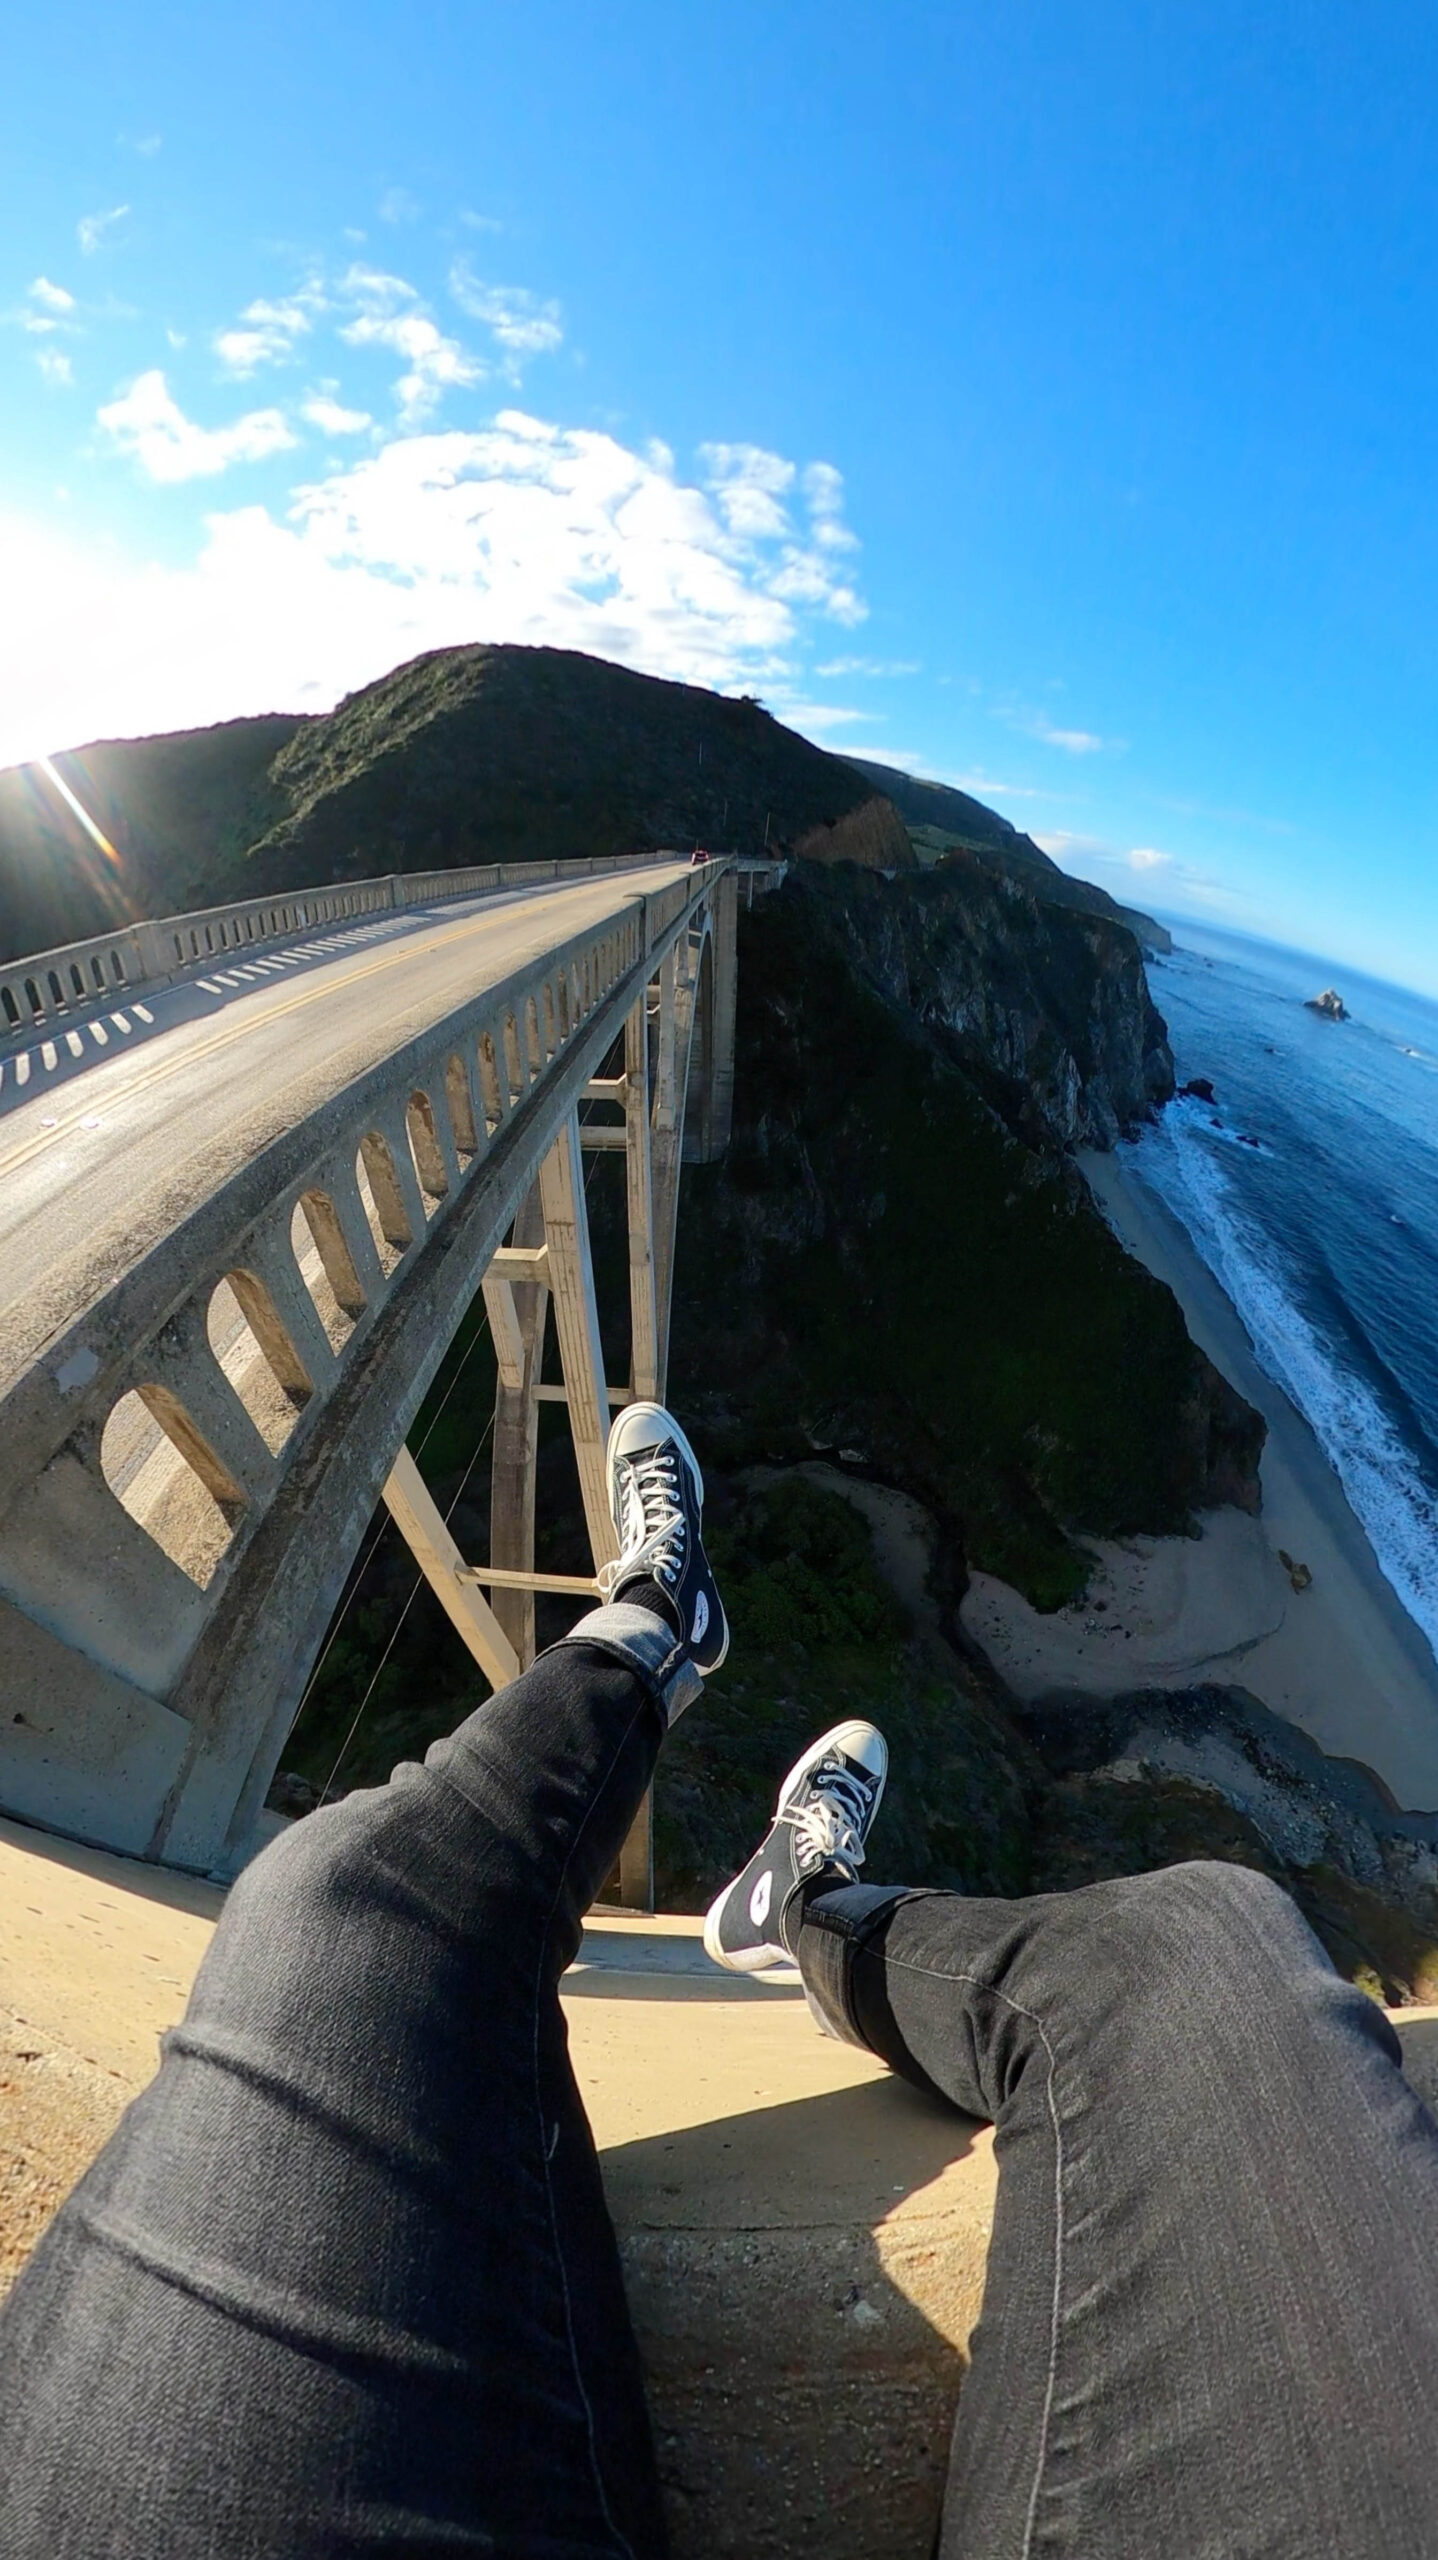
344 2274
343 2281
1211 2317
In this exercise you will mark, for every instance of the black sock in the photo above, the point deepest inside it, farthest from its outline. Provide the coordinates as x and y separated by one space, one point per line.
646 1593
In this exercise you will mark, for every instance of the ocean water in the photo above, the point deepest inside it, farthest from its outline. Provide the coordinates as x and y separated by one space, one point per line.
1324 1232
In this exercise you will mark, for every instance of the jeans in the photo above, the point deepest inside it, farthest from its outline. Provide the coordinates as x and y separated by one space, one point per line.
343 2282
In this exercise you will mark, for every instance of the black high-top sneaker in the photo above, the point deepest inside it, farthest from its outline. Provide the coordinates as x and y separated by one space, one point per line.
821 1825
656 1497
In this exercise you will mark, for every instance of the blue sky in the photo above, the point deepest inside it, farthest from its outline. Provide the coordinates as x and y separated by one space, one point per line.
1043 398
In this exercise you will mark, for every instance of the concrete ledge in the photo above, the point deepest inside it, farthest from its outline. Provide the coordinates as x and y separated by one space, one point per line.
804 2238
804 2243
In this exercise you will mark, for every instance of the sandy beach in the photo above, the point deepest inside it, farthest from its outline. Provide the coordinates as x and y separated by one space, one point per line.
1340 1657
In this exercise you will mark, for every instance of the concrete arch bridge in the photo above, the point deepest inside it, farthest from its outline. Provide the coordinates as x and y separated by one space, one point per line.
254 1166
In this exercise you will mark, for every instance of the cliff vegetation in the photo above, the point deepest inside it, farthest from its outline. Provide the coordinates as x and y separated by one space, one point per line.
467 755
896 1274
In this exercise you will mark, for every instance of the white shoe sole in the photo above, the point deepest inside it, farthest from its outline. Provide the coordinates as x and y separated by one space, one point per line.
762 1958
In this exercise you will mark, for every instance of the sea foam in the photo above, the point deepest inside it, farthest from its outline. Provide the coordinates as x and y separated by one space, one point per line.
1397 1509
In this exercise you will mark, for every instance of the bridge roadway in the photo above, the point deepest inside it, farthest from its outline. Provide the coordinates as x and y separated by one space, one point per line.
241 1214
107 1145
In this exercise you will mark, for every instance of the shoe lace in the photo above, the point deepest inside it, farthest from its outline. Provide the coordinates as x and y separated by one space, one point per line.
830 1823
654 1530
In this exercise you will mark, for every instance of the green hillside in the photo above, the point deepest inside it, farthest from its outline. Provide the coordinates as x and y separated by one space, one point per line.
939 818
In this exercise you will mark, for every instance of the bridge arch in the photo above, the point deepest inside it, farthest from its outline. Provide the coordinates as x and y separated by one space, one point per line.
160 1608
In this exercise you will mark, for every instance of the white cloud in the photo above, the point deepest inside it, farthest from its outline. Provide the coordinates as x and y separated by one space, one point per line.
1181 881
373 285
390 315
521 324
754 489
268 332
398 205
55 366
1049 732
870 667
325 412
46 310
748 485
1061 843
151 427
824 494
522 531
93 228
433 363
805 716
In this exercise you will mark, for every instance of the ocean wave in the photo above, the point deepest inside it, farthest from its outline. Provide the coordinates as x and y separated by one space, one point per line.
1397 1508
1191 1111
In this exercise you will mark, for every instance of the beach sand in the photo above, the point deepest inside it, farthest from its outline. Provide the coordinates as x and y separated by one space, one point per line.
1342 1658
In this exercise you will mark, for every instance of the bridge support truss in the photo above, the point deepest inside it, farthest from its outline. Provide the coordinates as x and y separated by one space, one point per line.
186 1475
683 1015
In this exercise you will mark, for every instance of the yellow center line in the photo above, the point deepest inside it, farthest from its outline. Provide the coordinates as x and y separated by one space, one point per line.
326 982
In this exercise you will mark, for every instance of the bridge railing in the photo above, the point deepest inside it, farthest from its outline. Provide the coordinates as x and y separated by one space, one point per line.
187 1468
49 987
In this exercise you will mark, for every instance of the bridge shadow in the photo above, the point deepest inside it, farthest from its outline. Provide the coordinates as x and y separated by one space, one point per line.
804 2278
167 1886
586 1980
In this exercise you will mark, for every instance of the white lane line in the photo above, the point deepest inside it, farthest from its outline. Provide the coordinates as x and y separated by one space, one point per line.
208 984
99 1035
22 1067
426 938
74 1044
47 1056
120 1022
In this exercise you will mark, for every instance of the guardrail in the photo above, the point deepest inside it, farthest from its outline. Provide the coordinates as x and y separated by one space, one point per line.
50 986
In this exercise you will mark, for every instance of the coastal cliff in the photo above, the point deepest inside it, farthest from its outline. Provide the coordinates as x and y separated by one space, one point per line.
895 1261
940 820
896 1276
1045 1007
